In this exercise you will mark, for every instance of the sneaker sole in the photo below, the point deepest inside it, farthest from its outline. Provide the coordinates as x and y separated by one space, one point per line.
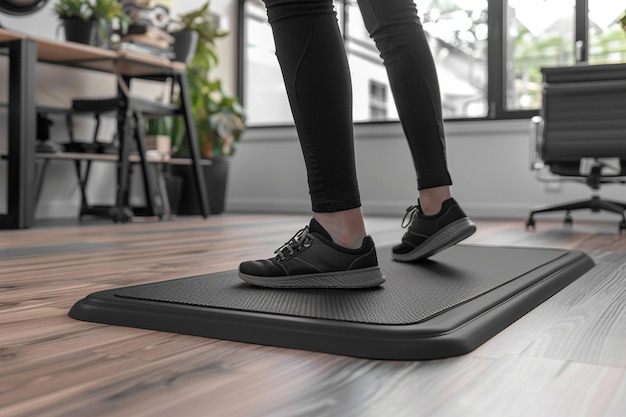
359 278
449 236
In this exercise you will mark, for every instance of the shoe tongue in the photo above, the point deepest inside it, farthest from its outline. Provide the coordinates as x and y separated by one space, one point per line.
315 227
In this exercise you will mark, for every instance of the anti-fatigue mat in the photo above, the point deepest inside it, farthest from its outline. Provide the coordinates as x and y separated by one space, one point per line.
445 306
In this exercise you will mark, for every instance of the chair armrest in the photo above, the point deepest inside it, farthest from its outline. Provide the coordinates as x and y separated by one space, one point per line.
536 143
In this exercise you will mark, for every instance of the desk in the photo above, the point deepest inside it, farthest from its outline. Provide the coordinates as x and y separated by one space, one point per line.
24 52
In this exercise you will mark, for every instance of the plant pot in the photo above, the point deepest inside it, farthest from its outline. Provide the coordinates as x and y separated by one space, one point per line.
79 30
185 43
215 178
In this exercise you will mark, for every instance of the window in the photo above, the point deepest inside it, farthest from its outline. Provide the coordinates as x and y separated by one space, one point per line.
264 94
543 33
377 101
457 31
369 77
607 39
489 55
539 33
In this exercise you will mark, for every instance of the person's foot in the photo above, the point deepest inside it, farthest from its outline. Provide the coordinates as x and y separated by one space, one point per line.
428 235
312 260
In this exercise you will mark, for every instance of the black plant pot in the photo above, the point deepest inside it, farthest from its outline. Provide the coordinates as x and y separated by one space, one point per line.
185 43
79 30
215 178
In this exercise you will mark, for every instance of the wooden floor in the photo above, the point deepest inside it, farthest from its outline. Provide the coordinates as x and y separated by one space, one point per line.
565 358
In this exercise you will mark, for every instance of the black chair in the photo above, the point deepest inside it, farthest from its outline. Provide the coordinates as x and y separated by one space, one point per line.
156 203
132 113
138 109
580 135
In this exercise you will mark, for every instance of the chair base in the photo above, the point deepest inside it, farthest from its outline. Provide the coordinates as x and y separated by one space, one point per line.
595 204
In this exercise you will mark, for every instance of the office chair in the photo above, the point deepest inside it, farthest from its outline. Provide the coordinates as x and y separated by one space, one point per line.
580 135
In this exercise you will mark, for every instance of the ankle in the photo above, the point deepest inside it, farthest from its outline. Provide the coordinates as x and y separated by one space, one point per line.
346 227
431 199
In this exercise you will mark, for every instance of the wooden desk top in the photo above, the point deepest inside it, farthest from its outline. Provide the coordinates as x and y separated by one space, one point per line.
127 63
9 35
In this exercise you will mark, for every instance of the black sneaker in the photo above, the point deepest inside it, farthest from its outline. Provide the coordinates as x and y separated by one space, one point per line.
312 260
428 235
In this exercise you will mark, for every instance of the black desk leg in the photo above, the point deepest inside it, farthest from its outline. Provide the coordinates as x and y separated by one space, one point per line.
121 212
21 141
192 141
154 200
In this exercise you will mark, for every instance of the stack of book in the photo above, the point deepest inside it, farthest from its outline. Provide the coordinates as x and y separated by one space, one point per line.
148 39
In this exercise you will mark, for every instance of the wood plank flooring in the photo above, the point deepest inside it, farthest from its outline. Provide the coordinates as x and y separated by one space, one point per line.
565 358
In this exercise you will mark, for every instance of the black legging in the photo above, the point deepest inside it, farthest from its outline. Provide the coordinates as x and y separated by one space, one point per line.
314 65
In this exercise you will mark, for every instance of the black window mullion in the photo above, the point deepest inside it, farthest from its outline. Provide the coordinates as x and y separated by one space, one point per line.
498 59
582 31
241 50
496 62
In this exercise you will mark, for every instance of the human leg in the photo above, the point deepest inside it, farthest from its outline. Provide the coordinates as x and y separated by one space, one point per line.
315 70
310 50
397 31
437 222
333 251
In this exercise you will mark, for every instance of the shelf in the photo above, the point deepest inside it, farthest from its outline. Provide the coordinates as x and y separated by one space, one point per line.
152 157
134 158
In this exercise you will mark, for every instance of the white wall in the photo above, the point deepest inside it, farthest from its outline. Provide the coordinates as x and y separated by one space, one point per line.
489 163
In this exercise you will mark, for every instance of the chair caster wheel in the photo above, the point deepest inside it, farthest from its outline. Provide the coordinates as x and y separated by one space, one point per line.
622 227
568 221
530 224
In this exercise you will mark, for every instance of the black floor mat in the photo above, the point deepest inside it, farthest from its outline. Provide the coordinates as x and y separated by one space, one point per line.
442 307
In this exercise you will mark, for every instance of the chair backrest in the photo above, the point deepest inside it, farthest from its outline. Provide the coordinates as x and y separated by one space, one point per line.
584 113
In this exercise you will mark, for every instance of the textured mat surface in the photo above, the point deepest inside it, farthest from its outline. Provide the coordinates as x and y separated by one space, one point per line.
413 292
456 297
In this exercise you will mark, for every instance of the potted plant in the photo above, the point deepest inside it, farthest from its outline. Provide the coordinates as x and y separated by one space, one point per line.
158 135
218 115
90 22
76 20
195 33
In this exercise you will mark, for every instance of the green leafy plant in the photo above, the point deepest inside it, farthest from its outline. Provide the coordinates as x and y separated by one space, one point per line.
67 9
104 12
219 116
107 11
206 24
159 126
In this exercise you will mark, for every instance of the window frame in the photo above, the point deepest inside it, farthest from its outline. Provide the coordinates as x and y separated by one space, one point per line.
496 60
